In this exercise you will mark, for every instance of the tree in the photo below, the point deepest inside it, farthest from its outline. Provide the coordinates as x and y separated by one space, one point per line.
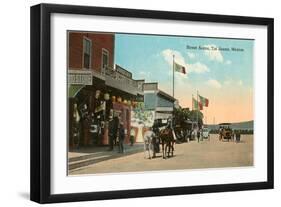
193 116
183 114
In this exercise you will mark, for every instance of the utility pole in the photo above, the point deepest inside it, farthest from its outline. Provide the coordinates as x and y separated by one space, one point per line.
198 108
173 76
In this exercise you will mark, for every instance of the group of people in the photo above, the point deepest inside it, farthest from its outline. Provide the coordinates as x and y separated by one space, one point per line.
236 136
116 130
196 134
79 117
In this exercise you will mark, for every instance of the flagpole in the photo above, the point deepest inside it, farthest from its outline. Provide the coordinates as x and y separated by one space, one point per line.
206 118
192 110
173 76
192 102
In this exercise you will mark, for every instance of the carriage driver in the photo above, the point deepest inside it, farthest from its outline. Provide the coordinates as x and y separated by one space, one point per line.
170 125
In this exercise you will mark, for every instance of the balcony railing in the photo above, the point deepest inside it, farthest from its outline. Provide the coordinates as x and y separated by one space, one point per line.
116 80
121 82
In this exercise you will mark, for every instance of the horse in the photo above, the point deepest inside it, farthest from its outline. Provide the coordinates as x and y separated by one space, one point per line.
148 143
167 141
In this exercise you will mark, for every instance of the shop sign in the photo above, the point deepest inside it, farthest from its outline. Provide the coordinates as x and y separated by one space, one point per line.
78 77
123 71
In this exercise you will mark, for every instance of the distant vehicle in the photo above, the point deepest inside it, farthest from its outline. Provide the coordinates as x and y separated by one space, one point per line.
182 130
205 133
225 132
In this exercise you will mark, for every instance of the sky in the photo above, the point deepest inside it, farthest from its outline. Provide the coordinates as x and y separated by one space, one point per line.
214 69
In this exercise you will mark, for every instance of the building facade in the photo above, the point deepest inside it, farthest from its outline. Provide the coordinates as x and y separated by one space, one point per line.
157 101
91 51
97 88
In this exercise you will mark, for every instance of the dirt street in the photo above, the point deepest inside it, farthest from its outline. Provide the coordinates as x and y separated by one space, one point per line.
191 155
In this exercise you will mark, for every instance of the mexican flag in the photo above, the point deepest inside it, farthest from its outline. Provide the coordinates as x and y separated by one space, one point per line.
204 101
179 68
196 105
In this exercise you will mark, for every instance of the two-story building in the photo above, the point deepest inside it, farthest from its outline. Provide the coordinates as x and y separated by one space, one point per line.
98 87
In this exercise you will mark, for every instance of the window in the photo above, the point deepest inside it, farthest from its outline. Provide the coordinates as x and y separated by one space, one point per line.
105 59
87 48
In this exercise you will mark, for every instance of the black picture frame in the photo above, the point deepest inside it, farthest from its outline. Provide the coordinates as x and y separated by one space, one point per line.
41 96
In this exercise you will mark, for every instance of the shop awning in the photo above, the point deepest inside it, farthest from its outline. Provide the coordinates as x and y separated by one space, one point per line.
73 90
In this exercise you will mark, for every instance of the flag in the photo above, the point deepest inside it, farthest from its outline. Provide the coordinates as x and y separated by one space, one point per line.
179 68
204 101
196 105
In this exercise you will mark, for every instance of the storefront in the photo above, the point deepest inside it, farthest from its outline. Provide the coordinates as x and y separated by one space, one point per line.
95 105
84 98
95 98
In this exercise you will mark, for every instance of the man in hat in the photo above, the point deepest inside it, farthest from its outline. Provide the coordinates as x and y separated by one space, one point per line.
115 128
121 137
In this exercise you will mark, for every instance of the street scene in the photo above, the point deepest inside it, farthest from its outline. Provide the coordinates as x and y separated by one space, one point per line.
141 103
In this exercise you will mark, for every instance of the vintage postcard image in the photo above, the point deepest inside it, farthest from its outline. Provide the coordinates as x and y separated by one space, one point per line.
144 102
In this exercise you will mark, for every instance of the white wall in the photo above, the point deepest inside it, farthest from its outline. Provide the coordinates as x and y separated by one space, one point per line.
14 104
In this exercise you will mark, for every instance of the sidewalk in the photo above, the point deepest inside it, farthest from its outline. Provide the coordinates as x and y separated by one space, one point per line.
84 156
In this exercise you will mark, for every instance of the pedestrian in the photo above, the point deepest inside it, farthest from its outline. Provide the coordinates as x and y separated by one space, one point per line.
221 132
198 135
76 126
121 138
237 136
93 130
191 134
110 132
156 139
115 129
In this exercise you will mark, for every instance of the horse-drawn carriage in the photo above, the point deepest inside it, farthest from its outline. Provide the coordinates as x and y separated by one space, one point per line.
225 132
161 133
182 130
